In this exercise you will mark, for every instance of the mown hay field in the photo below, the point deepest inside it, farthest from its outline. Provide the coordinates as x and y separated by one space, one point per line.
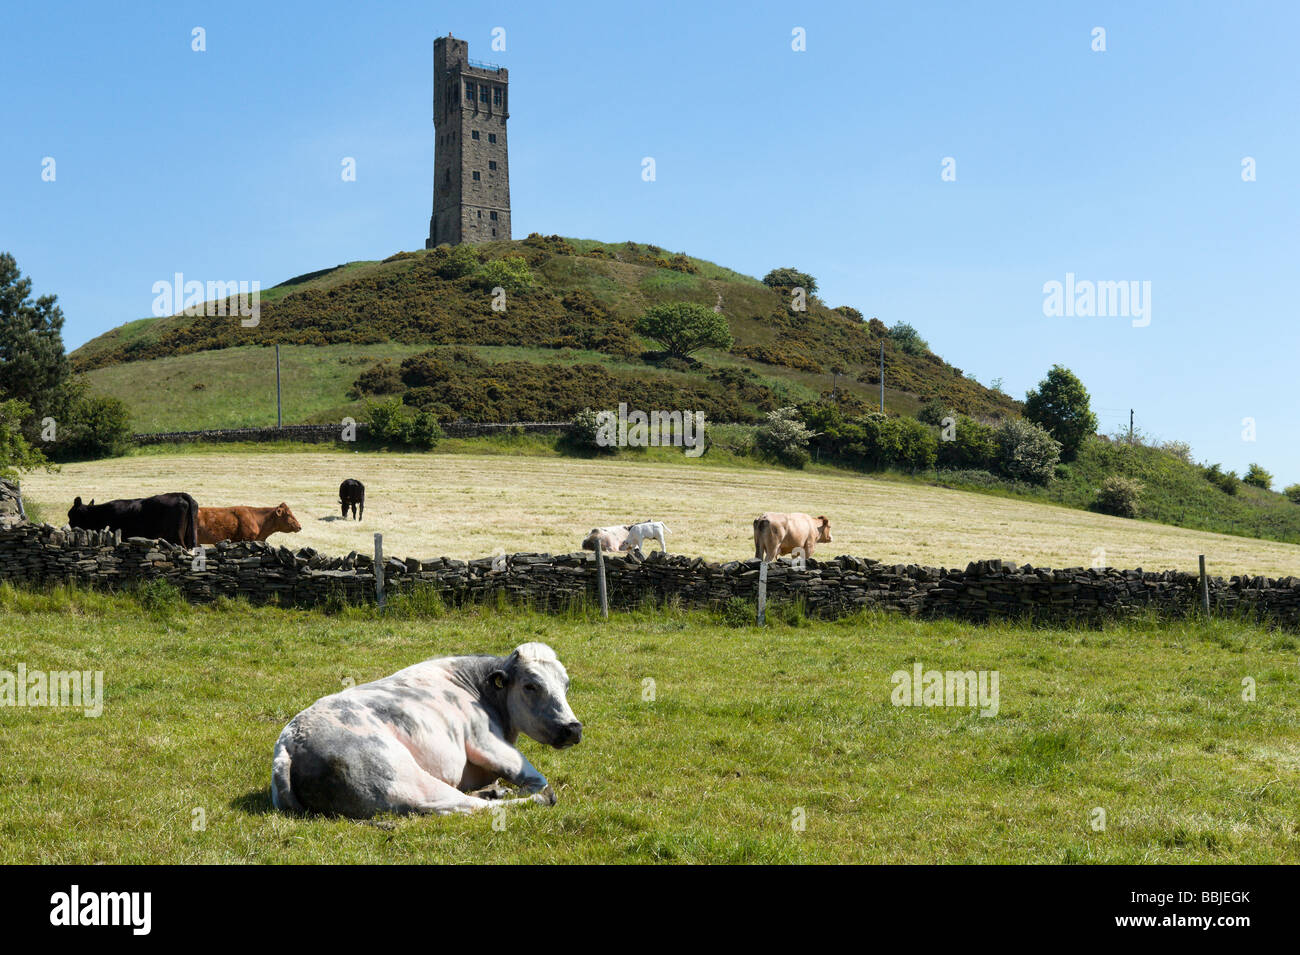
475 505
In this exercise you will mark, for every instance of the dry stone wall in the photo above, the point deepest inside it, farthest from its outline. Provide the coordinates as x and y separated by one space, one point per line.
40 554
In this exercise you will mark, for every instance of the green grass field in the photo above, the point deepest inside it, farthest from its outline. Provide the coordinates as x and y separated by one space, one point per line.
747 729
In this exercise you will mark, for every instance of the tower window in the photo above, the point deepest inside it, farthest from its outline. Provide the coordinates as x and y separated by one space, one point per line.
492 164
469 92
492 216
492 137
496 96
476 175
494 231
447 176
473 134
480 214
483 93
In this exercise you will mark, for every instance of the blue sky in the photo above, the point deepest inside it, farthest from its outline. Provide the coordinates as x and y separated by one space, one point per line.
1116 165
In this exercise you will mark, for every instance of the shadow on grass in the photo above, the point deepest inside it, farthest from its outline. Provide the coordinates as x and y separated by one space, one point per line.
257 802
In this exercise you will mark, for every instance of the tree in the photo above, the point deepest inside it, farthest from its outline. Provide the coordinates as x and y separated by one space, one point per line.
788 278
908 339
683 327
1256 476
1060 405
16 454
33 367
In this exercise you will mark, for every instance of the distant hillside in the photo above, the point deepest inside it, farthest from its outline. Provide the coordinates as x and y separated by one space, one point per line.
573 324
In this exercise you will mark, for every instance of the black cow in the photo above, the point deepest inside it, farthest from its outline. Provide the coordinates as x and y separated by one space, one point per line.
170 517
352 493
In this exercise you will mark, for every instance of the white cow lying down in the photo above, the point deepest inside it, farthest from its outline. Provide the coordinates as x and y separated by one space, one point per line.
424 738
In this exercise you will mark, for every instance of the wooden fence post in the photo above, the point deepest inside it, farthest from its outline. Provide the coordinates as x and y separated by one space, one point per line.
762 593
379 569
1205 589
600 581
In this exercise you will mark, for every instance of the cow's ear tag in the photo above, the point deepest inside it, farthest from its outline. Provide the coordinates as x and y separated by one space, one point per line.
500 681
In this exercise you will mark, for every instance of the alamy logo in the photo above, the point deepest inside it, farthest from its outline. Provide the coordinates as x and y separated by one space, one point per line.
946 688
1088 299
103 908
65 688
638 429
214 299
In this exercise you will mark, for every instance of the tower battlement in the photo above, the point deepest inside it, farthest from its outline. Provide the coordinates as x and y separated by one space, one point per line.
471 168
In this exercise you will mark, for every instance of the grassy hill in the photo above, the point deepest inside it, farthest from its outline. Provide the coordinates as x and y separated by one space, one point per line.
577 319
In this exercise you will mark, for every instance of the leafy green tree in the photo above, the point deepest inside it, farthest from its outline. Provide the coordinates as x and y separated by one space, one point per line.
907 339
16 454
1256 476
1060 405
97 427
683 327
788 278
1292 491
33 366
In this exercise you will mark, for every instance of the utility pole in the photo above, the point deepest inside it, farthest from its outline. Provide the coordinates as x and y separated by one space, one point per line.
279 422
882 376
1130 427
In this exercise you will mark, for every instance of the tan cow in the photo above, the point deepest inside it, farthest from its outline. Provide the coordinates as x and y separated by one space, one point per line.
776 534
245 523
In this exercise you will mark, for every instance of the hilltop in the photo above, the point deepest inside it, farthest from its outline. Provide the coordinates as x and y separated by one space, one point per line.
566 339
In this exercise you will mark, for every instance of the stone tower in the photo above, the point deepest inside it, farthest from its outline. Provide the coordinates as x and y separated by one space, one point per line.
471 171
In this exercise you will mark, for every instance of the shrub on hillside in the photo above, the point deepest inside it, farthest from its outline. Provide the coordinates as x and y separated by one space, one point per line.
1060 405
974 446
1292 491
849 312
583 434
1026 452
785 279
381 378
780 355
454 383
907 339
872 441
454 261
511 273
99 427
1256 476
393 423
1225 481
1119 496
784 437
933 412
1179 449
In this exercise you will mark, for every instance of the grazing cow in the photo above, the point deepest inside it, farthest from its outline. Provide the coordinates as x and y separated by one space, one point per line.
352 493
170 517
611 538
245 523
423 739
637 534
776 534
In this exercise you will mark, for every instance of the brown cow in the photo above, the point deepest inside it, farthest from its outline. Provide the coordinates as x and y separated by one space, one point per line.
776 534
245 523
